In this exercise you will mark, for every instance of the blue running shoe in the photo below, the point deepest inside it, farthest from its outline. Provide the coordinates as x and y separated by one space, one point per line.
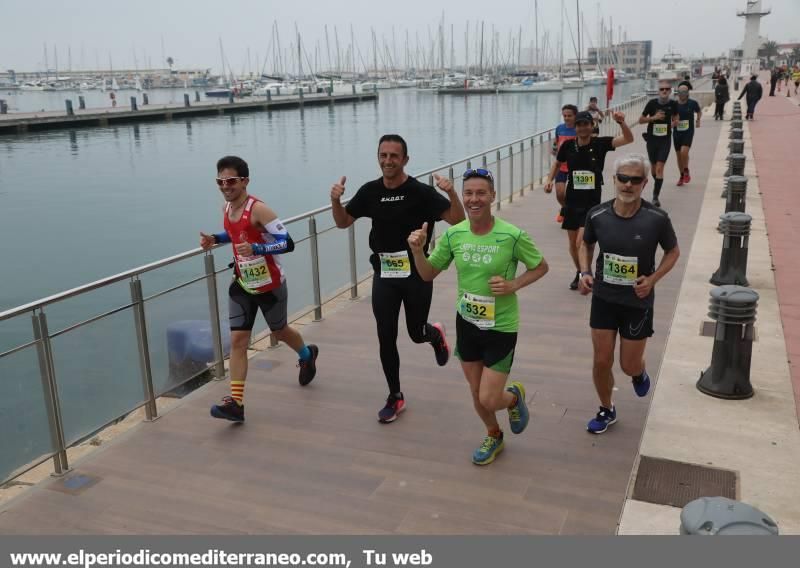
518 416
641 386
488 450
308 369
229 410
600 423
394 406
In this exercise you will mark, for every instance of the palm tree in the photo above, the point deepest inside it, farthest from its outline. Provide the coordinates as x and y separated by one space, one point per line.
769 49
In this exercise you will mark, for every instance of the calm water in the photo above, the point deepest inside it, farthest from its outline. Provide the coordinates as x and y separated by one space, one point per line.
79 205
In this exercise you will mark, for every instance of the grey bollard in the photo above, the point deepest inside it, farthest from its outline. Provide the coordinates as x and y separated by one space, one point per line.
145 99
737 191
735 228
3 106
728 376
737 162
736 146
134 104
70 112
81 102
736 123
736 134
712 516
186 100
197 96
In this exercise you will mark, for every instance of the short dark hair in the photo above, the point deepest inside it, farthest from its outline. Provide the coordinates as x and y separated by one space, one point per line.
573 108
753 77
394 138
234 163
592 99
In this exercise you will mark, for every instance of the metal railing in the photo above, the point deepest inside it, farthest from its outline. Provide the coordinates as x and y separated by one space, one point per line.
518 165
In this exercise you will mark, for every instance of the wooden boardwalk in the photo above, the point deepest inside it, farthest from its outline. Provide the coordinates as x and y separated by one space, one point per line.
20 122
315 459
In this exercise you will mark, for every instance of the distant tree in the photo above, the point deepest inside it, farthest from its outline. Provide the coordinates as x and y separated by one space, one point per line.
794 56
170 62
769 49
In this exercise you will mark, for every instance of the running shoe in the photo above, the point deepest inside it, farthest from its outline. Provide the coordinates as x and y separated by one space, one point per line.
440 347
308 369
686 177
600 423
229 410
488 450
656 202
641 386
681 181
518 415
574 284
394 406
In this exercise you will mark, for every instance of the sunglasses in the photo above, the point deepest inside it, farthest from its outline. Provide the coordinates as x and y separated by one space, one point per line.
225 182
634 180
478 172
665 90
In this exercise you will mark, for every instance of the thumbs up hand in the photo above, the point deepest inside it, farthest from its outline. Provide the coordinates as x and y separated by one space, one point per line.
418 238
443 183
337 190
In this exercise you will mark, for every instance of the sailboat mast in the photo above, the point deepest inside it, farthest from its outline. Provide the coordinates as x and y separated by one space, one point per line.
578 12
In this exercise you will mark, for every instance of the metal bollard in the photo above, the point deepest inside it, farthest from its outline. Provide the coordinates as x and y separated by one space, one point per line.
70 112
732 269
736 162
736 134
186 100
736 146
134 104
736 123
737 191
728 376
81 102
197 96
145 99
712 516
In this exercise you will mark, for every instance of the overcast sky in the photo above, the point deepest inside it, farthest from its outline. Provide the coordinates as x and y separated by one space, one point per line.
94 30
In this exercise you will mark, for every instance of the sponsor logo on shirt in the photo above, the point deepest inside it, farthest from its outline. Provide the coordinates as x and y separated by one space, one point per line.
395 198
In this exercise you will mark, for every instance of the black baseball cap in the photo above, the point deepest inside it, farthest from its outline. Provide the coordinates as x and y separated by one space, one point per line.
583 116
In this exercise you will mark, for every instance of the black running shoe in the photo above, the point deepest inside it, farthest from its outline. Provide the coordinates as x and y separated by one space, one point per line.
229 410
308 369
440 347
574 284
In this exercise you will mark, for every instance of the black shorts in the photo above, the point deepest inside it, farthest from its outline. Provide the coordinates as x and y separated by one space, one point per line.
682 139
631 323
657 148
243 307
495 349
562 177
574 218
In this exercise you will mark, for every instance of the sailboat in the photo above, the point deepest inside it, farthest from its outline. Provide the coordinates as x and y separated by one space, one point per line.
570 82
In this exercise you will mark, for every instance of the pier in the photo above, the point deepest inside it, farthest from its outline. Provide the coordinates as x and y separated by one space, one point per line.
29 121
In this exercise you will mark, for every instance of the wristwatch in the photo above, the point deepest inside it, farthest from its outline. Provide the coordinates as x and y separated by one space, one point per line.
585 273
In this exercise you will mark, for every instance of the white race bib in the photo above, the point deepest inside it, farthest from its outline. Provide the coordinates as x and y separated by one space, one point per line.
620 270
583 179
683 125
253 272
395 264
660 129
477 310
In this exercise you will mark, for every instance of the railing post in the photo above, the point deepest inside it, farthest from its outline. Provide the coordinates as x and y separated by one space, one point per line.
511 174
312 234
499 183
433 233
351 239
549 146
484 162
533 163
522 169
541 158
137 298
213 312
47 370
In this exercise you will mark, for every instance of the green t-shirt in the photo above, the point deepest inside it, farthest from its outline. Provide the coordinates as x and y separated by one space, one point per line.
478 258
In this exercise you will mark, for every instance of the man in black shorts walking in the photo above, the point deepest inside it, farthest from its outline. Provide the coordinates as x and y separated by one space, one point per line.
629 230
398 204
683 134
585 157
660 115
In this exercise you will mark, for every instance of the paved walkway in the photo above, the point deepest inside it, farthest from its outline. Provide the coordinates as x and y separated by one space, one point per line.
315 460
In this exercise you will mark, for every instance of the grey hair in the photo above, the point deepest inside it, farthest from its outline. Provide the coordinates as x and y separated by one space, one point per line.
633 160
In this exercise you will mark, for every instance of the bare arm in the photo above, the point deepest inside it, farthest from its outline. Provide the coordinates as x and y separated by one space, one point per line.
667 263
585 256
627 136
416 242
548 184
455 214
341 217
501 286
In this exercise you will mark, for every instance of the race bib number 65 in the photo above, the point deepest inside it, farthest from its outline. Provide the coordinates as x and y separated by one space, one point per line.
395 264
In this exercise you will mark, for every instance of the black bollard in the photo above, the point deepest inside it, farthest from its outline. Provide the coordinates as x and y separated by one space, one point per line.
737 192
712 516
736 123
736 146
70 112
728 376
81 102
735 228
145 99
736 134
186 100
134 104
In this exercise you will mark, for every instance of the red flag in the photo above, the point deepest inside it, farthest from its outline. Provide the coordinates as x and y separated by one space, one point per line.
609 86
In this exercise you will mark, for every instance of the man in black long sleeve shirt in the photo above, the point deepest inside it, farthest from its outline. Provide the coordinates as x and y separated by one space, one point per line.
753 92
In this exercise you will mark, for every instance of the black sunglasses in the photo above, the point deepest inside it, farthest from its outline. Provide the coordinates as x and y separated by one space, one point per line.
478 172
635 180
666 89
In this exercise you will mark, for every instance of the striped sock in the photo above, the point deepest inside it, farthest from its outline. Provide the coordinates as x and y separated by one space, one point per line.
237 391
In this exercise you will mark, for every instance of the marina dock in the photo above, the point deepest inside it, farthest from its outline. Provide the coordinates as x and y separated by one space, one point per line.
30 121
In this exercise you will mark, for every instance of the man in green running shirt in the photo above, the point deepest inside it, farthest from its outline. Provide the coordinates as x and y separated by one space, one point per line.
486 251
